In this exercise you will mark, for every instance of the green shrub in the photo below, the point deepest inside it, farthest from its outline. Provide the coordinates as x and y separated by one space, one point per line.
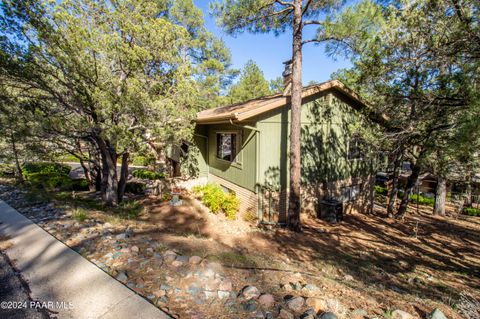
129 209
470 211
79 185
143 160
135 188
380 190
79 214
47 175
217 200
7 170
146 174
414 198
49 181
54 168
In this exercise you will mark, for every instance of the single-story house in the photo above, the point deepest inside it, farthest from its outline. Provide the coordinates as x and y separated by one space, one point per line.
244 148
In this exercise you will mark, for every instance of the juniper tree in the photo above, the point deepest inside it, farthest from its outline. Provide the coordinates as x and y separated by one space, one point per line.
112 74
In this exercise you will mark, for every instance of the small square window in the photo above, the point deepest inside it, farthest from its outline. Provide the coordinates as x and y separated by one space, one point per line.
356 148
227 146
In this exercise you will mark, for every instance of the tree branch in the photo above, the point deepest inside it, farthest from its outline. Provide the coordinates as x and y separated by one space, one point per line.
284 3
307 22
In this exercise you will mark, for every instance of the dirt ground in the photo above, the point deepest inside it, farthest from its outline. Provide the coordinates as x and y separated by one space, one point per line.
366 261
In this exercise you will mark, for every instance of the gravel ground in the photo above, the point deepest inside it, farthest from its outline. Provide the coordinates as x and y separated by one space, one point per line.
14 294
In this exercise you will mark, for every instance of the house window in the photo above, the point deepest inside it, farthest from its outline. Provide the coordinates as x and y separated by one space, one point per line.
227 146
350 193
356 148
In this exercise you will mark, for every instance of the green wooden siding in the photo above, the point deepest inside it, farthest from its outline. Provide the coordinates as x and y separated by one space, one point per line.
201 150
328 122
242 174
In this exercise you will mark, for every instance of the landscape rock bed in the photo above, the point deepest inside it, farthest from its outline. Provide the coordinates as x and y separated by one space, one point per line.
186 286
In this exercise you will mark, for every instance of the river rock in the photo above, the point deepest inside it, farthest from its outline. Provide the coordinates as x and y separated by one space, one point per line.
296 304
284 314
195 260
400 314
250 292
266 300
437 314
225 285
328 315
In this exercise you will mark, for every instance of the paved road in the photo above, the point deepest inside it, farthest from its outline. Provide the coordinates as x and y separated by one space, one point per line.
14 294
77 170
73 286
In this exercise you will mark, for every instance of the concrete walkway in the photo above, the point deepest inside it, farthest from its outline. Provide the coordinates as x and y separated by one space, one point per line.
55 273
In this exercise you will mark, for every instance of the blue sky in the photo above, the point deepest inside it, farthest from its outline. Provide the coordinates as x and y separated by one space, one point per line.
269 51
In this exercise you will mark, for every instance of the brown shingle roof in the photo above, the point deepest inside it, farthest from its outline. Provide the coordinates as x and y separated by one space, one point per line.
246 110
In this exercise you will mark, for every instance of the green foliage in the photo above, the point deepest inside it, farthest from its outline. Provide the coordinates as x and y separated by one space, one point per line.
68 158
143 160
54 168
409 59
380 190
48 181
263 16
217 200
79 214
414 198
48 176
135 188
252 84
276 85
125 73
79 185
129 209
146 174
470 211
7 170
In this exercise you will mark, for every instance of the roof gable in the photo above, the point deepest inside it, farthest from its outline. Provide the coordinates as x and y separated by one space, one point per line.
246 110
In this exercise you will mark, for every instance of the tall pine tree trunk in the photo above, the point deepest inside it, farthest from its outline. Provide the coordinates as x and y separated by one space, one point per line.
293 216
440 196
122 183
392 197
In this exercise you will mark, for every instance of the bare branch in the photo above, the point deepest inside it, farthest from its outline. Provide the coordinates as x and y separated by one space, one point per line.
284 3
307 22
306 7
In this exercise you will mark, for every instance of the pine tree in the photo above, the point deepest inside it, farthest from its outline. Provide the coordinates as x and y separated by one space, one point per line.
252 84
263 16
